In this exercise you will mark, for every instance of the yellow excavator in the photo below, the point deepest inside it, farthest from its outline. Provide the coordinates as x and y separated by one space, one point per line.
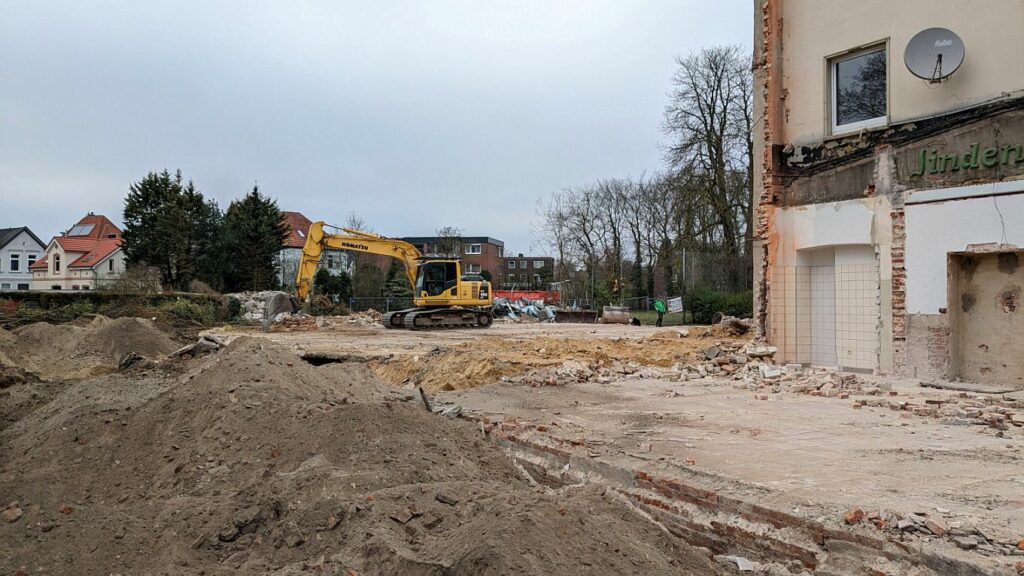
442 295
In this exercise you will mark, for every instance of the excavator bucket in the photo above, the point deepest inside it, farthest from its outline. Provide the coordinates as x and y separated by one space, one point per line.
615 315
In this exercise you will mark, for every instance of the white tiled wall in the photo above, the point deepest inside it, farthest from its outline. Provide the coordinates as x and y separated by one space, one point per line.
825 315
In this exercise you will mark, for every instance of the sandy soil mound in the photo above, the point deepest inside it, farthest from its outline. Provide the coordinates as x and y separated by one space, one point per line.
252 461
487 359
85 348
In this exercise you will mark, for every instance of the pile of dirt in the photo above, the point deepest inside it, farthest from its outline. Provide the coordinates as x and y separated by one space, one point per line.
253 461
87 347
490 358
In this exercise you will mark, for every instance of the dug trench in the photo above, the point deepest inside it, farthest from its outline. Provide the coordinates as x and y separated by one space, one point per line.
251 461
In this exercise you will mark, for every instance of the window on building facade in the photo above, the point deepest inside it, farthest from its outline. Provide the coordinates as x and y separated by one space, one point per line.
522 278
74 286
501 252
56 263
110 265
536 279
32 257
5 286
472 268
22 286
859 90
15 262
85 287
522 264
511 264
538 263
473 249
330 261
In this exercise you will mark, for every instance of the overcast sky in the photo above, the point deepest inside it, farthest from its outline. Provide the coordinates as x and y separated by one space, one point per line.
414 115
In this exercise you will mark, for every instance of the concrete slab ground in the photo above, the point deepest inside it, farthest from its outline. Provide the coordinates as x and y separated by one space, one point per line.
806 459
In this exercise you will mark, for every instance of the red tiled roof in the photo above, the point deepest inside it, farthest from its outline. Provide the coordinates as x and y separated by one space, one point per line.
102 227
298 225
100 250
101 241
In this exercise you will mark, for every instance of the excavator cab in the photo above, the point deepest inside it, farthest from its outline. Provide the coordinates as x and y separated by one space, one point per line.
435 278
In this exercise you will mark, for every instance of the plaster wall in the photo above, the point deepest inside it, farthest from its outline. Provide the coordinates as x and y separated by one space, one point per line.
935 230
813 30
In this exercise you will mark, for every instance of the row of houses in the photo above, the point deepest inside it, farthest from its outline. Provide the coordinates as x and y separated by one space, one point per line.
88 256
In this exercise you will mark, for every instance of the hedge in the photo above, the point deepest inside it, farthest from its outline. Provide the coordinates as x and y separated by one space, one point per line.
20 307
704 304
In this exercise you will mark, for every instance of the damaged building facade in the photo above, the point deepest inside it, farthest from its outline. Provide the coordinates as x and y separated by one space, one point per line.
890 208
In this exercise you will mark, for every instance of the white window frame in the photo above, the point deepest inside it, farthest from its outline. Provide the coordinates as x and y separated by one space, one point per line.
538 264
56 263
512 265
522 265
15 262
32 257
833 79
472 268
474 249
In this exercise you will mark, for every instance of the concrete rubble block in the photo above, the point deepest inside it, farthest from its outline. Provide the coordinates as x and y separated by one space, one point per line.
936 525
854 516
770 371
712 352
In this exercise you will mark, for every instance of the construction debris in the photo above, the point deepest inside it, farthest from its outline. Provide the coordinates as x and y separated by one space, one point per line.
257 306
523 310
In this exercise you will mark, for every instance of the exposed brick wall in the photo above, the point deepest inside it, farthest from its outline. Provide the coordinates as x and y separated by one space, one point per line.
768 68
899 275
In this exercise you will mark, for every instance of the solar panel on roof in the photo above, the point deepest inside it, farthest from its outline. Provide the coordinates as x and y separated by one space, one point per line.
81 230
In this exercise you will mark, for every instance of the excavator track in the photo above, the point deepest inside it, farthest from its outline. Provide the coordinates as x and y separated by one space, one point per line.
396 319
439 318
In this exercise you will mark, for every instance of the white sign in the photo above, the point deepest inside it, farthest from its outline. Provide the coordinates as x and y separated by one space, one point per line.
675 305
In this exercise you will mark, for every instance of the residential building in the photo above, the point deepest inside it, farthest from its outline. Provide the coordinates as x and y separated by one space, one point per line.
288 259
526 272
479 254
890 207
85 257
19 250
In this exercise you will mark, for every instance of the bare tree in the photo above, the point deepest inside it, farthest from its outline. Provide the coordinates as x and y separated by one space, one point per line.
709 120
449 242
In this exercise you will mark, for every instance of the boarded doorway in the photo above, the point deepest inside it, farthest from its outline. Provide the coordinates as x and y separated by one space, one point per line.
987 317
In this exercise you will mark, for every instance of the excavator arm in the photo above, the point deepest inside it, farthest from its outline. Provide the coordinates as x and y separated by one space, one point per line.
318 240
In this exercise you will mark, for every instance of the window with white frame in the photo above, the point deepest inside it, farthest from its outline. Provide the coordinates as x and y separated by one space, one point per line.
538 264
501 252
859 90
5 286
15 262
32 257
473 249
330 262
511 264
536 279
472 268
522 264
56 263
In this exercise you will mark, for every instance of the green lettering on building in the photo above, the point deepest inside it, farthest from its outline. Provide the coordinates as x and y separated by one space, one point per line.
975 157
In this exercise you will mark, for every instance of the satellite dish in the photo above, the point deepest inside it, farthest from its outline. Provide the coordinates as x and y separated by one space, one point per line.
934 54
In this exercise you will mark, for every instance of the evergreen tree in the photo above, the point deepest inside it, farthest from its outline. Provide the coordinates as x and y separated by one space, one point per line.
397 284
170 226
337 286
254 233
